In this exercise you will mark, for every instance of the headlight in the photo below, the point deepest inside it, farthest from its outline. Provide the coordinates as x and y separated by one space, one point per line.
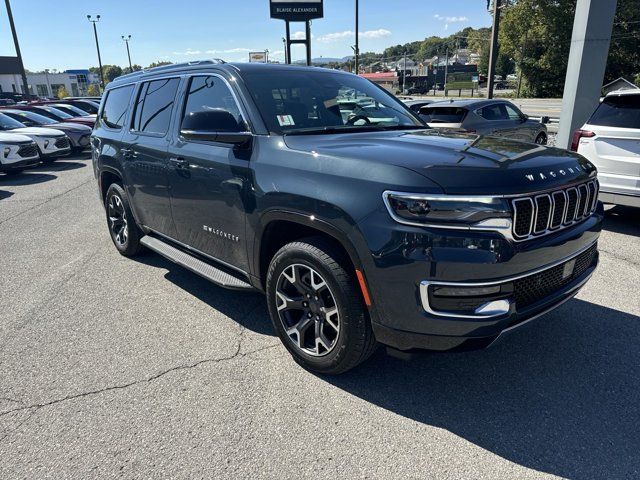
46 143
6 152
448 210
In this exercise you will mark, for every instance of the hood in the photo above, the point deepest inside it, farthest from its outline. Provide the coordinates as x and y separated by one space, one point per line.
71 127
40 131
14 138
461 164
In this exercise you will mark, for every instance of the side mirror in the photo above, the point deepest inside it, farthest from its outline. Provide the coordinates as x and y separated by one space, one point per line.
524 117
215 125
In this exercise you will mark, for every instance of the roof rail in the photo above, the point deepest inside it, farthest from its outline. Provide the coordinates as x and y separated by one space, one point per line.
171 66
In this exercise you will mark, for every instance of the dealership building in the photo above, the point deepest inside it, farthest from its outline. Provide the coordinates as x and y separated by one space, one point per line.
44 84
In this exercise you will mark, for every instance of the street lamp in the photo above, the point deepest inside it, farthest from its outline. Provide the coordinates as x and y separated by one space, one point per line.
126 40
95 33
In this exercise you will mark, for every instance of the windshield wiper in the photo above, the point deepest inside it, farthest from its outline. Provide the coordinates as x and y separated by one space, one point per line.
354 128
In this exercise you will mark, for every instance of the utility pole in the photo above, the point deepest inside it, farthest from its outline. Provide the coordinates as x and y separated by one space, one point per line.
493 53
357 49
25 84
446 67
95 33
524 45
404 74
284 43
126 40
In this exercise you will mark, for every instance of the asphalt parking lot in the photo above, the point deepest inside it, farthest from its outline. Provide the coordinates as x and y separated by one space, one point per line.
140 369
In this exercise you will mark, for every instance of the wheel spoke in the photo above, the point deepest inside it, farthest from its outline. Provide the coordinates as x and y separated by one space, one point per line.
331 318
286 302
299 329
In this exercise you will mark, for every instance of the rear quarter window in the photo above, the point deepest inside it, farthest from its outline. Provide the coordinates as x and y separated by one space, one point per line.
116 106
622 111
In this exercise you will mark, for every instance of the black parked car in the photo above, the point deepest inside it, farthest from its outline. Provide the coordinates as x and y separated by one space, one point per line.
359 232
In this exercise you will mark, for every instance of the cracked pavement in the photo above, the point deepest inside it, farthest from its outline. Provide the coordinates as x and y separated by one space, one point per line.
112 367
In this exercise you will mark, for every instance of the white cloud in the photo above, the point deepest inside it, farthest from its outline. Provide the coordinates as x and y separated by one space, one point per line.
300 35
230 50
337 36
450 19
189 51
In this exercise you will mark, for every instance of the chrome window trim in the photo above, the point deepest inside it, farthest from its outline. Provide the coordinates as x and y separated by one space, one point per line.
425 284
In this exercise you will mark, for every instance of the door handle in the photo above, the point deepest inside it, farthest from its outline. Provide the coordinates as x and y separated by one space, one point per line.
179 162
128 153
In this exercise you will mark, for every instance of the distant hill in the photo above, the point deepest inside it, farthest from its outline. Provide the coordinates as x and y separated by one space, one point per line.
325 60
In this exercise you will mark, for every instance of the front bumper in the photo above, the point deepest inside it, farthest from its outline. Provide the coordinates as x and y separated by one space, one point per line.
19 165
406 264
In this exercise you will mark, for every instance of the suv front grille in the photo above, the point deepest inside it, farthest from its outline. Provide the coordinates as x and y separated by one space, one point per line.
62 142
543 214
28 151
531 289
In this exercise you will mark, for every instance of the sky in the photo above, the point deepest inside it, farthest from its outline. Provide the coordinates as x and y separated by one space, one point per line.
57 35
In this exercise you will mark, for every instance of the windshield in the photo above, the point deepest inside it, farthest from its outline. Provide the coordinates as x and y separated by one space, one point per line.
622 111
73 111
55 112
34 117
8 123
305 101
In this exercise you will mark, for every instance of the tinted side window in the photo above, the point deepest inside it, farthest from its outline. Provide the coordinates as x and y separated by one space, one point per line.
622 111
116 106
513 113
444 114
154 105
493 112
211 106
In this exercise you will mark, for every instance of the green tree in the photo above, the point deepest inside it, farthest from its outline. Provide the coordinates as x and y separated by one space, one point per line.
537 35
62 92
159 63
134 68
93 90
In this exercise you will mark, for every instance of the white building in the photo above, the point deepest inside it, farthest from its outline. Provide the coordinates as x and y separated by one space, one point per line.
46 84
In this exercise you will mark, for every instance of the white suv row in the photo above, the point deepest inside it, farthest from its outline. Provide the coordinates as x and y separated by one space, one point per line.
611 140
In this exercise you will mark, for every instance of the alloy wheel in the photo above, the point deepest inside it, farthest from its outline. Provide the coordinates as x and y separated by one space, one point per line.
118 220
307 310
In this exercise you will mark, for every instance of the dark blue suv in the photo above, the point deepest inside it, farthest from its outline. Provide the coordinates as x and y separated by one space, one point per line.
360 224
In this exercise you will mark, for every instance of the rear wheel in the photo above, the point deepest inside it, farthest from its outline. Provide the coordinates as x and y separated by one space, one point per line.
316 309
123 229
541 139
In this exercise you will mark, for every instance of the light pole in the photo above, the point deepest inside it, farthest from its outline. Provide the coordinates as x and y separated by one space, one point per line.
25 84
356 50
126 40
284 43
95 33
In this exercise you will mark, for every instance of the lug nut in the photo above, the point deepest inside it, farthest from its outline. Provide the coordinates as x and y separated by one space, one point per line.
309 315
305 304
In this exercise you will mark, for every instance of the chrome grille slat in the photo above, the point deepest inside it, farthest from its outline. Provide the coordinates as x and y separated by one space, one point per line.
535 216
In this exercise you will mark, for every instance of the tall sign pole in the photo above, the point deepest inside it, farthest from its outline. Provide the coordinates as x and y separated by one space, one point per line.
357 49
95 33
493 53
25 84
297 11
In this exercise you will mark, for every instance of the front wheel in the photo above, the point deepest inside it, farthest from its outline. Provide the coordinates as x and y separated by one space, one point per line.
541 139
316 309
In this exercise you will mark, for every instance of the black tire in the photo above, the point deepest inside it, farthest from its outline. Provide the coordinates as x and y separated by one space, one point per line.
541 139
354 342
123 229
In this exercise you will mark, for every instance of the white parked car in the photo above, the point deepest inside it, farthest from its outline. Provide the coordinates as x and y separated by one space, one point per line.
17 152
611 141
51 143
